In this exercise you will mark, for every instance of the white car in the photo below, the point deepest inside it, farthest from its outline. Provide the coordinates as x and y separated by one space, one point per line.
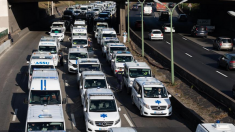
166 28
155 34
57 32
151 97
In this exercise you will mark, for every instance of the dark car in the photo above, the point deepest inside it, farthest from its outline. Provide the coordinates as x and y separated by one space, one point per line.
164 16
135 7
200 31
105 16
227 61
182 18
67 18
171 5
138 24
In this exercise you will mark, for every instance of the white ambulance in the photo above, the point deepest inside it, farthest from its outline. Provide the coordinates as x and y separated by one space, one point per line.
133 70
100 110
215 127
105 42
100 25
77 31
43 60
57 32
114 47
87 64
84 8
92 79
118 60
78 23
106 33
52 45
151 97
79 42
73 56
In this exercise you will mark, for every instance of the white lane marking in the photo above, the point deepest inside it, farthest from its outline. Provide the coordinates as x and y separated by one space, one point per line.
73 120
184 38
128 120
168 42
14 116
221 74
188 55
205 48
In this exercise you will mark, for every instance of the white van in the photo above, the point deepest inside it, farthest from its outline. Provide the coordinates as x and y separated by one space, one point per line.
58 24
151 97
105 42
79 42
100 25
92 79
42 60
105 33
133 70
87 64
100 110
79 24
52 45
84 8
118 60
114 47
147 10
57 32
215 127
73 56
78 31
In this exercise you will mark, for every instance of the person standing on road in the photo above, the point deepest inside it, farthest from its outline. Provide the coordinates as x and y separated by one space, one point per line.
124 37
9 37
61 57
119 76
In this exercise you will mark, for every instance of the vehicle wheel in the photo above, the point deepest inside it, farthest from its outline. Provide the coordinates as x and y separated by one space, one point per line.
141 112
132 101
227 68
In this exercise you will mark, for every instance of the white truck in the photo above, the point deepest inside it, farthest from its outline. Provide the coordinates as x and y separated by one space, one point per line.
151 97
43 60
147 10
100 110
207 23
133 70
111 47
73 56
79 42
52 45
92 79
105 33
118 60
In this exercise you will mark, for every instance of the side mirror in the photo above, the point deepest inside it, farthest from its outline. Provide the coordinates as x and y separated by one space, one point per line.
119 109
64 101
138 95
27 62
112 60
84 109
25 101
109 86
80 87
169 96
223 58
49 32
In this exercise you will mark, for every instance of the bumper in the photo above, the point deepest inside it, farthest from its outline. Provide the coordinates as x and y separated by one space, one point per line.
226 47
147 13
157 38
72 69
201 34
94 128
149 112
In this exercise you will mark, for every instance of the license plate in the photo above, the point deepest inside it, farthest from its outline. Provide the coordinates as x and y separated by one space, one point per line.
157 112
103 128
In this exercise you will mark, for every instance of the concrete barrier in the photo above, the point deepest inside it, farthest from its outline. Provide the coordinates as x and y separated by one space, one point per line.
5 46
201 85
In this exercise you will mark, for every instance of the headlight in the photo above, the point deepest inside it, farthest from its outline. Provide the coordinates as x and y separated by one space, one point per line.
70 63
117 121
169 106
91 122
146 106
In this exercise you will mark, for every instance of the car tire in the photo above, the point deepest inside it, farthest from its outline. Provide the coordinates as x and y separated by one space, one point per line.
227 68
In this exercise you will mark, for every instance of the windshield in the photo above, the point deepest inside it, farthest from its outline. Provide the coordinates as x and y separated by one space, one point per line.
41 67
51 49
83 8
77 11
89 7
103 15
75 56
157 32
226 41
81 25
79 41
95 83
133 73
102 25
42 126
102 106
57 25
155 92
45 97
109 35
106 42
79 34
124 58
56 31
89 67
117 49
95 9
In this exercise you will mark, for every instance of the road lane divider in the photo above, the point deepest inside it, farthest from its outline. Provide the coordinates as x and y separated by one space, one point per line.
128 120
205 48
188 55
221 74
73 120
168 43
184 38
15 114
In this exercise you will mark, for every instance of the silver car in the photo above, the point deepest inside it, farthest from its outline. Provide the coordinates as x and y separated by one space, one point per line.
223 43
96 10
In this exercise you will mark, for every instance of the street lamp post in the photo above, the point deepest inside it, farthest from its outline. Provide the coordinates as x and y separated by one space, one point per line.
142 27
172 51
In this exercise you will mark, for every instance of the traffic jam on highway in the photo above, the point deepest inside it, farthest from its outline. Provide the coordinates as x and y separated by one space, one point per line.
100 109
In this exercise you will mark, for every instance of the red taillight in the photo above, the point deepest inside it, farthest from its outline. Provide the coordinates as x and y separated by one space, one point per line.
161 34
196 29
220 44
232 62
165 28
116 70
151 34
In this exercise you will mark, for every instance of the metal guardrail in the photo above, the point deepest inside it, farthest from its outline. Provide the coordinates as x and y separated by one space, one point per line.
3 33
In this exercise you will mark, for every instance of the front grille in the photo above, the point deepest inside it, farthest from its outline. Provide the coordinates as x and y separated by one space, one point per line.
158 113
158 107
74 65
104 123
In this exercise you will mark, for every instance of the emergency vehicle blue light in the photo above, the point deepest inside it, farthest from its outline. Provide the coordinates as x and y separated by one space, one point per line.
45 116
125 52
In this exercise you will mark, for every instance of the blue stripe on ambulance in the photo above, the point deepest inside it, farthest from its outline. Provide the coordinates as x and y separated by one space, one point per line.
41 84
44 84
